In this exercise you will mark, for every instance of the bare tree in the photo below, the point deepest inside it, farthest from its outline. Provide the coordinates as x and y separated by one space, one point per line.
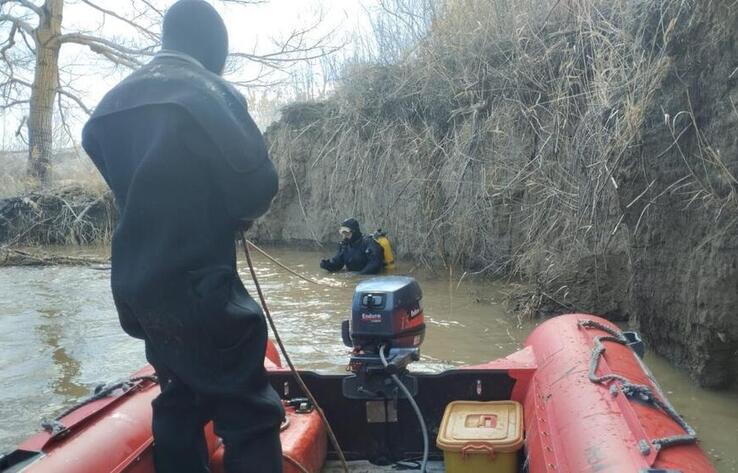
32 36
398 26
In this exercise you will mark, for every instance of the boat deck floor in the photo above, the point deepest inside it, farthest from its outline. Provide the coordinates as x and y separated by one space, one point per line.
366 467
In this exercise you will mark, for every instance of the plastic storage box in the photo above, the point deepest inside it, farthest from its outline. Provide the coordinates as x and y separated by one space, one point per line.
481 437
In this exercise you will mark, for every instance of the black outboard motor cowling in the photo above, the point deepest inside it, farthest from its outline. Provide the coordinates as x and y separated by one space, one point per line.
386 315
386 311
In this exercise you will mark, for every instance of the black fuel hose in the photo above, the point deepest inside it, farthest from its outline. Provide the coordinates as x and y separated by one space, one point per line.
409 396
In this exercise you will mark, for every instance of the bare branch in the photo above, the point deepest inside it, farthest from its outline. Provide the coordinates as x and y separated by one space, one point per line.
14 80
13 103
24 3
246 2
259 81
288 56
115 57
31 47
11 95
62 113
17 22
9 44
19 131
112 51
147 32
89 40
293 50
153 8
74 98
61 90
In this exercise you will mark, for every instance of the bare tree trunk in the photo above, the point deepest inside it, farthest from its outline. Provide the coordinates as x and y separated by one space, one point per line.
45 82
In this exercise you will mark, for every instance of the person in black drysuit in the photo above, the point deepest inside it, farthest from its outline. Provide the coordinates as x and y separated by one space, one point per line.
356 252
188 167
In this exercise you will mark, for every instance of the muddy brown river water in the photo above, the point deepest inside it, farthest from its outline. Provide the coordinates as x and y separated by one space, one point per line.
59 338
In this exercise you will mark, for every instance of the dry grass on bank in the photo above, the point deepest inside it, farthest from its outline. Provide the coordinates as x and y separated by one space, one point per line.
498 143
69 167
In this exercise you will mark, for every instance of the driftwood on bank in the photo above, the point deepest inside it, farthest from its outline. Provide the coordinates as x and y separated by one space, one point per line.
70 215
16 257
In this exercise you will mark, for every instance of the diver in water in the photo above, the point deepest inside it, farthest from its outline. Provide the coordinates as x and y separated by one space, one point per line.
356 252
188 168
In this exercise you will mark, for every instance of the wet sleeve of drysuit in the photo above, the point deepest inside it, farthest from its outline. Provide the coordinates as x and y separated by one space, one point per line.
247 194
336 263
375 259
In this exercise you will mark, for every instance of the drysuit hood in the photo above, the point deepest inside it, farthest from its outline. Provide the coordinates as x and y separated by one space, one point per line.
194 28
353 224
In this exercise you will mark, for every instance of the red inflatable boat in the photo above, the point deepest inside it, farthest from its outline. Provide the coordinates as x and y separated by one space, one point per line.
590 405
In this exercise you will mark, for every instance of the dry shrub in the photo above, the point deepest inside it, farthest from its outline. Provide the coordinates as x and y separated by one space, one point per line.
496 143
69 167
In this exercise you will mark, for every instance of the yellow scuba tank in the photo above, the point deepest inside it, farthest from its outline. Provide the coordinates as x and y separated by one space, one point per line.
389 256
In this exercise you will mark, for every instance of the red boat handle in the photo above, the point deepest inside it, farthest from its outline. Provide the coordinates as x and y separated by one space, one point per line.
478 447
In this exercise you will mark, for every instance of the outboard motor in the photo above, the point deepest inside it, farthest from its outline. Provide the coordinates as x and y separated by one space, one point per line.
386 330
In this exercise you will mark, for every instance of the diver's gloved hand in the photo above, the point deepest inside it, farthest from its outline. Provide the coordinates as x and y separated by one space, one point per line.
324 263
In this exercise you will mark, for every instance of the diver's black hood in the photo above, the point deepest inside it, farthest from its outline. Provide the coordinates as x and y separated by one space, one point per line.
193 27
353 224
